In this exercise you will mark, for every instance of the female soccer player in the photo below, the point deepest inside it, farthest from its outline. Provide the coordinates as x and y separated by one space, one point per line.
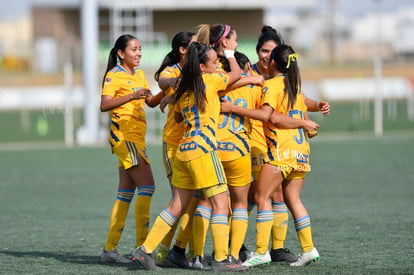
267 41
233 138
125 92
168 76
196 164
287 158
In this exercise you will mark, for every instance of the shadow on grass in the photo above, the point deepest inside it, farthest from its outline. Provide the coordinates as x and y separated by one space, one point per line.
68 258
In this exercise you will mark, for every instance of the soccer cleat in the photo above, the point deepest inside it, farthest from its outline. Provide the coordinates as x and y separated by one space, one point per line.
257 259
198 262
244 253
179 259
307 258
282 255
113 257
190 257
226 265
146 260
233 260
161 256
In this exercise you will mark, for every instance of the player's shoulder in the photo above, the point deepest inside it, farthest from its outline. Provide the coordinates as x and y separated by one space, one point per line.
116 70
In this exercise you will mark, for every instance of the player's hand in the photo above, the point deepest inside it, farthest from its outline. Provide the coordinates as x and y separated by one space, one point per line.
310 126
258 80
324 107
312 134
165 101
140 94
148 93
225 106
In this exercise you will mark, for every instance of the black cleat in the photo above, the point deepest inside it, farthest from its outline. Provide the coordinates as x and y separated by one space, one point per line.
244 253
282 255
178 259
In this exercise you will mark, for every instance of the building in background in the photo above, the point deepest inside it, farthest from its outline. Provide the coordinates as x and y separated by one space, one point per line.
51 35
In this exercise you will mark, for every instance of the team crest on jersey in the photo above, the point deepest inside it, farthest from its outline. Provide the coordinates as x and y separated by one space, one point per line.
144 152
108 80
266 90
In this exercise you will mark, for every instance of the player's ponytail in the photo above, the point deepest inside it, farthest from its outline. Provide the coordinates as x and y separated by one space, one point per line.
285 60
203 34
192 78
120 44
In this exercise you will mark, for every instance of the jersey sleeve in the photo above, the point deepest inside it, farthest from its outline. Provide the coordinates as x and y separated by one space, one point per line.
268 97
224 80
111 85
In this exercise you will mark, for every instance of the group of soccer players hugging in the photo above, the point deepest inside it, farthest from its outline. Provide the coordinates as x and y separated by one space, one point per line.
236 136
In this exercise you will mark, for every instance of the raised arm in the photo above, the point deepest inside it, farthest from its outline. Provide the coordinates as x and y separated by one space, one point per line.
235 73
253 79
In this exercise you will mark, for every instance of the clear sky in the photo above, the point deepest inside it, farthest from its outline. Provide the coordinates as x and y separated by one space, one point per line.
13 8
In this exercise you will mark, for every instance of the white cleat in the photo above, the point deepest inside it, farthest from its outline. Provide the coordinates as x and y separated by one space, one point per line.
257 259
307 258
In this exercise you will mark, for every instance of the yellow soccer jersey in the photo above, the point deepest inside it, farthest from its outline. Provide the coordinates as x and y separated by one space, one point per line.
255 70
233 135
128 120
173 131
200 127
258 139
219 68
285 146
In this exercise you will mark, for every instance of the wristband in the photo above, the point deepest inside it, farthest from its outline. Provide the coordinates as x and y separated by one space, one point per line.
229 53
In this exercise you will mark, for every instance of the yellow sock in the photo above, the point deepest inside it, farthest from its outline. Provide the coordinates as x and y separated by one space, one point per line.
118 217
166 242
185 231
142 210
161 227
220 236
201 221
264 221
280 224
239 222
303 229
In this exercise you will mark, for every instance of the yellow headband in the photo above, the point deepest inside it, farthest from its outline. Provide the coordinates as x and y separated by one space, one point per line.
291 58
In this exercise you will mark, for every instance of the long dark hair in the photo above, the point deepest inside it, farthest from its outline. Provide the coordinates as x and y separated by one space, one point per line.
181 39
285 62
192 78
241 59
120 44
268 34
